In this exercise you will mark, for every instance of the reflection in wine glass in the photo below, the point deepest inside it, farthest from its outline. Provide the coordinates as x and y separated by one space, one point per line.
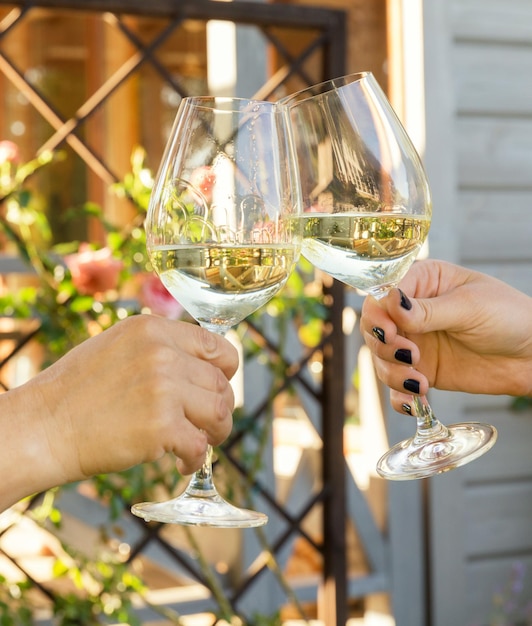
221 235
366 214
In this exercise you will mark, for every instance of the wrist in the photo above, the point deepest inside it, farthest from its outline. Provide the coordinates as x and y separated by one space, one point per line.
27 460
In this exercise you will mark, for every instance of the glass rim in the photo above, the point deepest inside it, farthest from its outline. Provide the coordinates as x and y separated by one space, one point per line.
215 103
320 89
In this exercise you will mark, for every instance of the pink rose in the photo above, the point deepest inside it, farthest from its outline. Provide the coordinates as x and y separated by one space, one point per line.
264 232
202 179
156 297
9 152
93 271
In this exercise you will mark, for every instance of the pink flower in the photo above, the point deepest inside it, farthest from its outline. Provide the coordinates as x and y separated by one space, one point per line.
202 179
264 232
316 208
9 152
93 271
156 297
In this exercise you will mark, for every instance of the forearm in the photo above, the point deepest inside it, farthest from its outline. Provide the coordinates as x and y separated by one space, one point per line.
26 463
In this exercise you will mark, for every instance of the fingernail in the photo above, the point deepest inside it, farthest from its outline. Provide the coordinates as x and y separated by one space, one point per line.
411 385
405 302
378 333
405 356
407 408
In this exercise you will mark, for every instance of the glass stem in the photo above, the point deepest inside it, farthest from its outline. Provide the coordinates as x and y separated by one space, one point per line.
201 483
428 425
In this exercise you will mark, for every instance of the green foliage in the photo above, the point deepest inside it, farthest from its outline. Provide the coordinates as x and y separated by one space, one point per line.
521 403
272 620
67 313
14 607
133 485
103 590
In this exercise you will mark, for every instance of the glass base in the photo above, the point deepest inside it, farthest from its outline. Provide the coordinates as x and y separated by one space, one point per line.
204 510
420 457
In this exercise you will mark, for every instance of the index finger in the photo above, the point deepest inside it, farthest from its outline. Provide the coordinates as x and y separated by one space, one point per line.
374 315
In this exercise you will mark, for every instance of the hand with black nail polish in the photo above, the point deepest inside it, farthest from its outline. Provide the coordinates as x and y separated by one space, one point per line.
451 328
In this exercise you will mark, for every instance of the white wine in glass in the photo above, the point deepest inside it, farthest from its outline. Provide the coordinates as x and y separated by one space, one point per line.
221 235
366 214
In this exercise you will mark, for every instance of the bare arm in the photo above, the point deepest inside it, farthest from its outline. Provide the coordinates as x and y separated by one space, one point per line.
145 387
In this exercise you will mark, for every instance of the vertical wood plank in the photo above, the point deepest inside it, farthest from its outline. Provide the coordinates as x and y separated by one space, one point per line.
333 604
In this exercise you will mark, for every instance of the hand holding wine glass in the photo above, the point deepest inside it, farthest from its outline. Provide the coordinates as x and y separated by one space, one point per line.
462 329
222 237
366 214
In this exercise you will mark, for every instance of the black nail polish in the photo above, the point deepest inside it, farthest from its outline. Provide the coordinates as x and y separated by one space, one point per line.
378 333
405 302
404 356
407 408
411 385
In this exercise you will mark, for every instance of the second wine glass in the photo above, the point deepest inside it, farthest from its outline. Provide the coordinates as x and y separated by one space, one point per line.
221 235
366 213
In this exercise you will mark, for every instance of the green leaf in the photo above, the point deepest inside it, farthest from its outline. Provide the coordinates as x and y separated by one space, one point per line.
115 240
59 568
310 334
93 209
82 304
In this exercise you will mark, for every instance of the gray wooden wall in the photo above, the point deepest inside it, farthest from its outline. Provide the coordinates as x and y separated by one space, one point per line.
478 71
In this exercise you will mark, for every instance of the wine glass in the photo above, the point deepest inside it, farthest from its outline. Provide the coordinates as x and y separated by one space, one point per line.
366 214
222 237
